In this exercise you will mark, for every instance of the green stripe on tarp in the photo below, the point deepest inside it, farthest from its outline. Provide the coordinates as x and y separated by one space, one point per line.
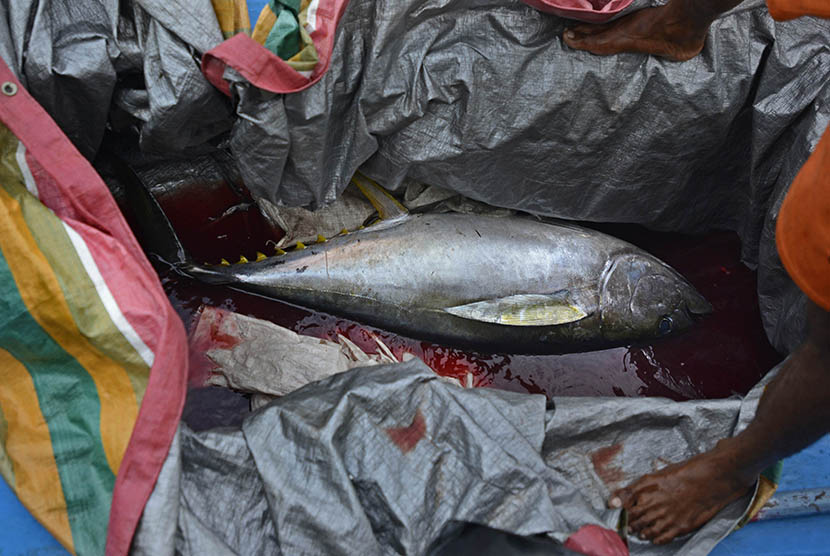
6 468
284 38
85 305
69 403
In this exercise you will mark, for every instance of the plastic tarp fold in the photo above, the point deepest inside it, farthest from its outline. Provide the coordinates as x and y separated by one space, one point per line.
79 59
388 459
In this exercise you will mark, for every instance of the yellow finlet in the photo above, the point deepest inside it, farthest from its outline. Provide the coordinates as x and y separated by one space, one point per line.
242 259
321 239
224 262
300 245
344 231
279 251
362 227
260 256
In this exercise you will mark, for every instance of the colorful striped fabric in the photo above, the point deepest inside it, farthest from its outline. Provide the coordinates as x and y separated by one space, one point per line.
282 28
92 356
233 17
289 50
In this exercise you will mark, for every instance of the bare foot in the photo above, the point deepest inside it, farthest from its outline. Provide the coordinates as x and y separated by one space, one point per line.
682 497
663 31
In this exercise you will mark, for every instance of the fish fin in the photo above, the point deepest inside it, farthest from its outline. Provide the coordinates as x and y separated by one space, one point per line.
387 206
522 310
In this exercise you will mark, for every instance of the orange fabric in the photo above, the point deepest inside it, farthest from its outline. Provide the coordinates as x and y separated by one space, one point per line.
790 9
803 232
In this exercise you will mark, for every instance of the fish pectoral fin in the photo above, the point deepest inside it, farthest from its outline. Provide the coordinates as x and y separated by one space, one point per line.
522 310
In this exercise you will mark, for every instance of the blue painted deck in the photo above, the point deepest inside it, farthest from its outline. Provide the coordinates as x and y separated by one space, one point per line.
806 534
809 534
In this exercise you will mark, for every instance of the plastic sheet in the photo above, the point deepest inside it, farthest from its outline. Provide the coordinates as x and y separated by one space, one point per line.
92 356
78 59
394 459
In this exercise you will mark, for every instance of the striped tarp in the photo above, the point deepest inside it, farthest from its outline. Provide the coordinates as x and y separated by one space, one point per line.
289 48
92 355
232 16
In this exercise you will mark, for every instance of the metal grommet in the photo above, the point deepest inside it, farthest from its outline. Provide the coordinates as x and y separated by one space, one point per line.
9 89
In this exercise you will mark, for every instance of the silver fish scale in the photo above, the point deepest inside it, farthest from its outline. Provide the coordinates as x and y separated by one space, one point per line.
443 260
513 283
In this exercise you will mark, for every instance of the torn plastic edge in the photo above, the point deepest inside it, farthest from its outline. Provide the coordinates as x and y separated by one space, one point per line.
264 69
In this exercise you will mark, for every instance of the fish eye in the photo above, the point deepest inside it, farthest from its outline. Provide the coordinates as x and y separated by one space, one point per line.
665 325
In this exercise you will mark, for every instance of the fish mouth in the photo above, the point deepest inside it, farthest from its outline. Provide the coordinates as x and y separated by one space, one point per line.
698 306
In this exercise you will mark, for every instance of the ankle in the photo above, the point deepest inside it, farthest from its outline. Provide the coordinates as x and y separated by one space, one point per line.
738 460
694 15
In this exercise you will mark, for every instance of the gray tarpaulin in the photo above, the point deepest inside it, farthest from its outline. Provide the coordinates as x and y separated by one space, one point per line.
134 62
387 459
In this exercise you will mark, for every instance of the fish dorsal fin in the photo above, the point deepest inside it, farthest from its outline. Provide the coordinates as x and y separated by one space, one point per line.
387 206
522 310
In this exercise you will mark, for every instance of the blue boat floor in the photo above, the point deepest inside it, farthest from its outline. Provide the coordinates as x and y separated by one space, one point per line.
23 535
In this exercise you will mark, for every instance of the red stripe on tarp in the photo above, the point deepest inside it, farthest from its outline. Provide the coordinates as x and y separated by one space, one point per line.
109 252
264 69
69 186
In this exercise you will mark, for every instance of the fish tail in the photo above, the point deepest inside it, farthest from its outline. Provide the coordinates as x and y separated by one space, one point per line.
206 274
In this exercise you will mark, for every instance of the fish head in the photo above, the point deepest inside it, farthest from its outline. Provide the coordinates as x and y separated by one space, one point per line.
642 297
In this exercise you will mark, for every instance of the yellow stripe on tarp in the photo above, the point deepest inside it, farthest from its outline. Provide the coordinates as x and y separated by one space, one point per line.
88 309
29 447
6 469
43 297
264 23
232 16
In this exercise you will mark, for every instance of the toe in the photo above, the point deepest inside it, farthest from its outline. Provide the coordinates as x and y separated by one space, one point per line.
647 518
668 535
620 499
658 529
588 29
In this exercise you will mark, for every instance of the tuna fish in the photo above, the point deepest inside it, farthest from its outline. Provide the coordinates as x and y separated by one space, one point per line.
511 284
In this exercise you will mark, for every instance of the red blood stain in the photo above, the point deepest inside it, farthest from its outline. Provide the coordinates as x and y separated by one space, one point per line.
200 341
593 540
218 338
602 464
406 438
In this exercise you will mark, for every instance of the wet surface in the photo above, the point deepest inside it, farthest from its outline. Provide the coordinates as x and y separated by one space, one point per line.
726 353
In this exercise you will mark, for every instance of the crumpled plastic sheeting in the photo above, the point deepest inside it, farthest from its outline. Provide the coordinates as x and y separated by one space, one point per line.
79 58
256 356
483 98
783 305
386 459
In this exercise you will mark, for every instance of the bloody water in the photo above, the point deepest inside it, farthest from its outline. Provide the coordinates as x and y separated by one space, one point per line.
726 353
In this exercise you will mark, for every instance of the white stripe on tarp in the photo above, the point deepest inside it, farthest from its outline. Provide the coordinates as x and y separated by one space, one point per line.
106 297
28 178
311 16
